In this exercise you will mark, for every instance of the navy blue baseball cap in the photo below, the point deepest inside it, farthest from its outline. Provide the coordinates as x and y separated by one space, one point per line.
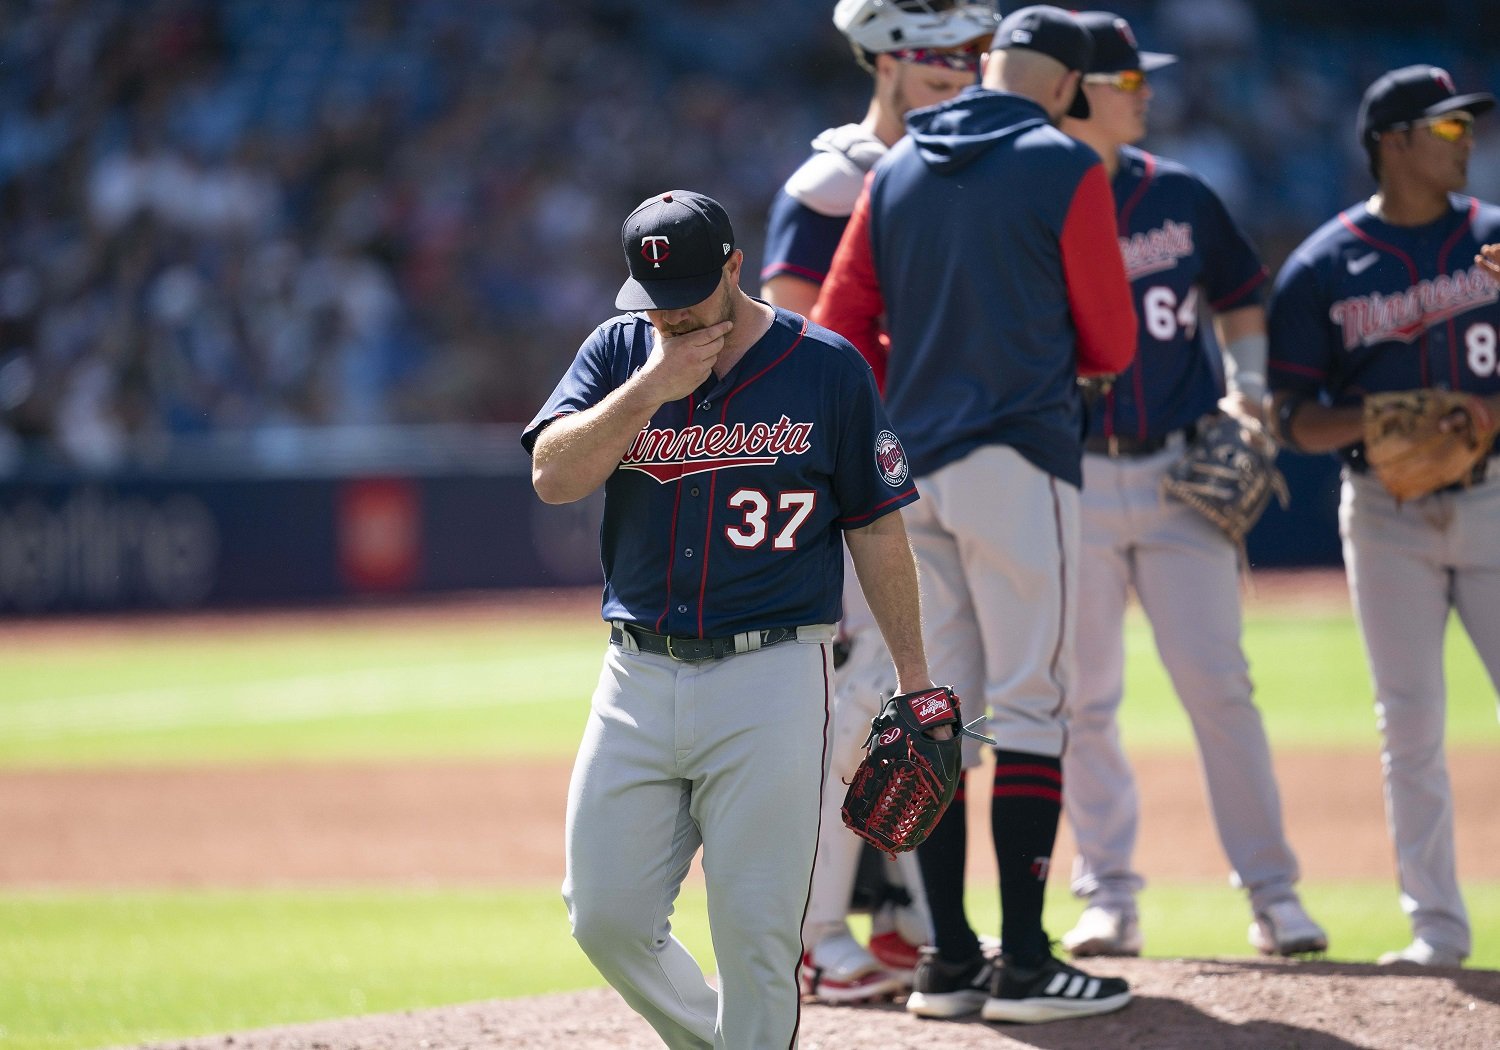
675 245
1412 93
1115 49
1053 32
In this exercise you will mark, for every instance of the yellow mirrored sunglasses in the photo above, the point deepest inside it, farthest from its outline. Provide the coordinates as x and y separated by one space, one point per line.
1450 127
1129 81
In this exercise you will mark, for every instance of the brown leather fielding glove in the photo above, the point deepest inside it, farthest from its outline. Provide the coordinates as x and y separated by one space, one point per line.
1419 441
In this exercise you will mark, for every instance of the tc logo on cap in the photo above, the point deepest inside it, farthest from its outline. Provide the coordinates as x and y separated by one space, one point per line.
656 250
1442 77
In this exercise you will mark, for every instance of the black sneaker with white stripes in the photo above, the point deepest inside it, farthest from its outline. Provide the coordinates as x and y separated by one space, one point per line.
1052 991
944 989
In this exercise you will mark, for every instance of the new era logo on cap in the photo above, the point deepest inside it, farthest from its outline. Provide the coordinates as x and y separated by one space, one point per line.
1053 32
675 246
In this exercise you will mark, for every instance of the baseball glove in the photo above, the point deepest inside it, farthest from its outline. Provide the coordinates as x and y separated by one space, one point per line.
1228 475
907 777
1418 441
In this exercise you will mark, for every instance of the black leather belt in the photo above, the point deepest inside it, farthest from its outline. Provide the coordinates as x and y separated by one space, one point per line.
692 650
1115 446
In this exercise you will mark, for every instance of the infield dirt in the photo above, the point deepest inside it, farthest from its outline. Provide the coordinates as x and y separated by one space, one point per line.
467 823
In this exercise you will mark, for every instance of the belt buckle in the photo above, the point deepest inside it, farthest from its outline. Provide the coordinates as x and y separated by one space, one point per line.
708 653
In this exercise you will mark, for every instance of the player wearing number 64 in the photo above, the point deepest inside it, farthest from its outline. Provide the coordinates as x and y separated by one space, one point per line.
1180 245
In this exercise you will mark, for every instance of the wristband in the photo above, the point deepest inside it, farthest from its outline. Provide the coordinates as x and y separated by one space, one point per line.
1286 412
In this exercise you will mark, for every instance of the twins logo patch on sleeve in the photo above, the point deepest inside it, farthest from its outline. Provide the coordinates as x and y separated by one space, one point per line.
891 458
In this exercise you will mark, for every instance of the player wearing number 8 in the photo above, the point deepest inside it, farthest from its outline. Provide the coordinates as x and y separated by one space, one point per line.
1179 243
1389 296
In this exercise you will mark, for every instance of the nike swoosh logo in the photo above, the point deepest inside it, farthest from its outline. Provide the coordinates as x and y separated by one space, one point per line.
1363 263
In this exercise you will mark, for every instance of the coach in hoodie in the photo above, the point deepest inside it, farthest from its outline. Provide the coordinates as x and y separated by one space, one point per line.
985 243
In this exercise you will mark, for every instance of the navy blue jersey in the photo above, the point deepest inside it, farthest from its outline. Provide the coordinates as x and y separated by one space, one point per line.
1363 306
725 515
810 211
800 241
1179 243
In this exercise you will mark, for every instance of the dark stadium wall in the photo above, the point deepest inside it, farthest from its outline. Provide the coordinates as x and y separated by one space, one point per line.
139 542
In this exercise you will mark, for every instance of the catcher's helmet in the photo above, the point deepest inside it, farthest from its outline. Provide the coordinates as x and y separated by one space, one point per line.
878 26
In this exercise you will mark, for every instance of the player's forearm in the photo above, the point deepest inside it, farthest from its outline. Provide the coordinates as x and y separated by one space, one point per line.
1315 427
576 454
887 573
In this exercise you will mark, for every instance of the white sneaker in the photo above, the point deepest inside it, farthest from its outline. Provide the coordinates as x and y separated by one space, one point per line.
1104 931
839 970
1284 928
1424 954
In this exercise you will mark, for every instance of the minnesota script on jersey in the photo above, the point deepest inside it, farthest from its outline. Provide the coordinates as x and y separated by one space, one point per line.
1365 307
740 492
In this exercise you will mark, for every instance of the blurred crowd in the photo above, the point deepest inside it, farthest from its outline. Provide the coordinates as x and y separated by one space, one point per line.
245 214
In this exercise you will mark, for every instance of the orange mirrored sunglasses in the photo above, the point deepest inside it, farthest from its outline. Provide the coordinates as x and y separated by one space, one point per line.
1129 81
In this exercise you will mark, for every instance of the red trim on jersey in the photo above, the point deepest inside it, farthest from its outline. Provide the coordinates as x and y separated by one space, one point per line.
1298 370
787 269
1099 296
1225 302
1139 380
873 510
713 482
1411 268
851 303
1140 191
672 539
1454 379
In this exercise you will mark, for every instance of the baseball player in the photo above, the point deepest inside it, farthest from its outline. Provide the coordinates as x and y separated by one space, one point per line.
1180 247
739 447
1389 296
986 241
919 53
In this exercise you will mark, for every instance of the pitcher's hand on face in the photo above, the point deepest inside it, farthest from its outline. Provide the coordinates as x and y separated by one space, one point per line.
680 363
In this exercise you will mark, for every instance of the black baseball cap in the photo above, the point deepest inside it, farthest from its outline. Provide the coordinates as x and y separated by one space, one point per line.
1410 94
1115 49
675 245
1055 33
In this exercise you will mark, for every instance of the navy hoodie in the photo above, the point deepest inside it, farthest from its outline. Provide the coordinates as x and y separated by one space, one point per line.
986 240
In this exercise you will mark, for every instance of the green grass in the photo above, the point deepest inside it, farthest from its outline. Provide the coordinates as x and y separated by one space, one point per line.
467 690
344 692
81 971
91 970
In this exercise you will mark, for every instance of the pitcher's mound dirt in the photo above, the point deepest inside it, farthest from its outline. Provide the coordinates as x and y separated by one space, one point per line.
1180 1004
